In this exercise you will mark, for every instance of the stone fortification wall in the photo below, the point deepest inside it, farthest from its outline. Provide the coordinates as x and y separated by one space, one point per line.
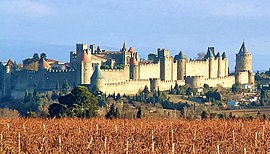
116 75
166 85
46 79
130 87
197 68
43 80
149 71
199 81
226 82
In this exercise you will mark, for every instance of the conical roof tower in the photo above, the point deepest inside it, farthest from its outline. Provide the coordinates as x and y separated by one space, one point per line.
97 74
85 57
209 55
243 49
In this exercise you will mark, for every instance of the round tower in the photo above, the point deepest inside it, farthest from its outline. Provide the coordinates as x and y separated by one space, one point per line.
211 67
98 80
195 81
134 68
226 61
86 68
220 67
243 60
243 67
181 66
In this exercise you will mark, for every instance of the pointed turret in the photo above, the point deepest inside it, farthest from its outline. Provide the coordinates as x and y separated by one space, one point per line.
85 57
224 55
243 67
97 79
97 74
180 56
131 50
218 55
124 49
209 54
243 49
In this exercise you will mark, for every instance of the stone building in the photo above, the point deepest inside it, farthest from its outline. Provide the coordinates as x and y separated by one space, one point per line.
122 71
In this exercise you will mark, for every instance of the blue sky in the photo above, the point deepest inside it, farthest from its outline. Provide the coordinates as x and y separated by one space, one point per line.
187 25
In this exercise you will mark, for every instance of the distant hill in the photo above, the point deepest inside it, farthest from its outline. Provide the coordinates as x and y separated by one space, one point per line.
21 49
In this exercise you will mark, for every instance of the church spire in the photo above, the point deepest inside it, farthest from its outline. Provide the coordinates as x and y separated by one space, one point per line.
124 47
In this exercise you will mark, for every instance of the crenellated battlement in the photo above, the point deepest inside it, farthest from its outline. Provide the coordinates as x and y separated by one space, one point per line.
192 77
221 78
197 61
112 70
149 65
127 82
60 71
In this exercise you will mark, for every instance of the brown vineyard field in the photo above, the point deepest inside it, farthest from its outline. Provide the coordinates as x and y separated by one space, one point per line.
133 136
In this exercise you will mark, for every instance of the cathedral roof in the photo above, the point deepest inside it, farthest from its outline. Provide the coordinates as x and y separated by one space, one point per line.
85 57
243 48
43 63
97 74
131 49
224 55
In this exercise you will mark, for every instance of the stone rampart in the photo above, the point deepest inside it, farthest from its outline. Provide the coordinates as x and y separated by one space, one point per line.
149 71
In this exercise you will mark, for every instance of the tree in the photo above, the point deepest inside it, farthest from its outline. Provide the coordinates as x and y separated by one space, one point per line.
236 87
113 112
139 113
190 91
204 115
57 110
152 57
80 103
26 96
118 96
213 95
35 57
263 95
200 56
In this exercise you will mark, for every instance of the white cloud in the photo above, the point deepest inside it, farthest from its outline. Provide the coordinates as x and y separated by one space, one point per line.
29 8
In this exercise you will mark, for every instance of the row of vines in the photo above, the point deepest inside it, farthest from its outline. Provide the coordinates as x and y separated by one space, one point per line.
133 136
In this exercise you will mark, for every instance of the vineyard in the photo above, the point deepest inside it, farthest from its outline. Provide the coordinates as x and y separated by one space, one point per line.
133 136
